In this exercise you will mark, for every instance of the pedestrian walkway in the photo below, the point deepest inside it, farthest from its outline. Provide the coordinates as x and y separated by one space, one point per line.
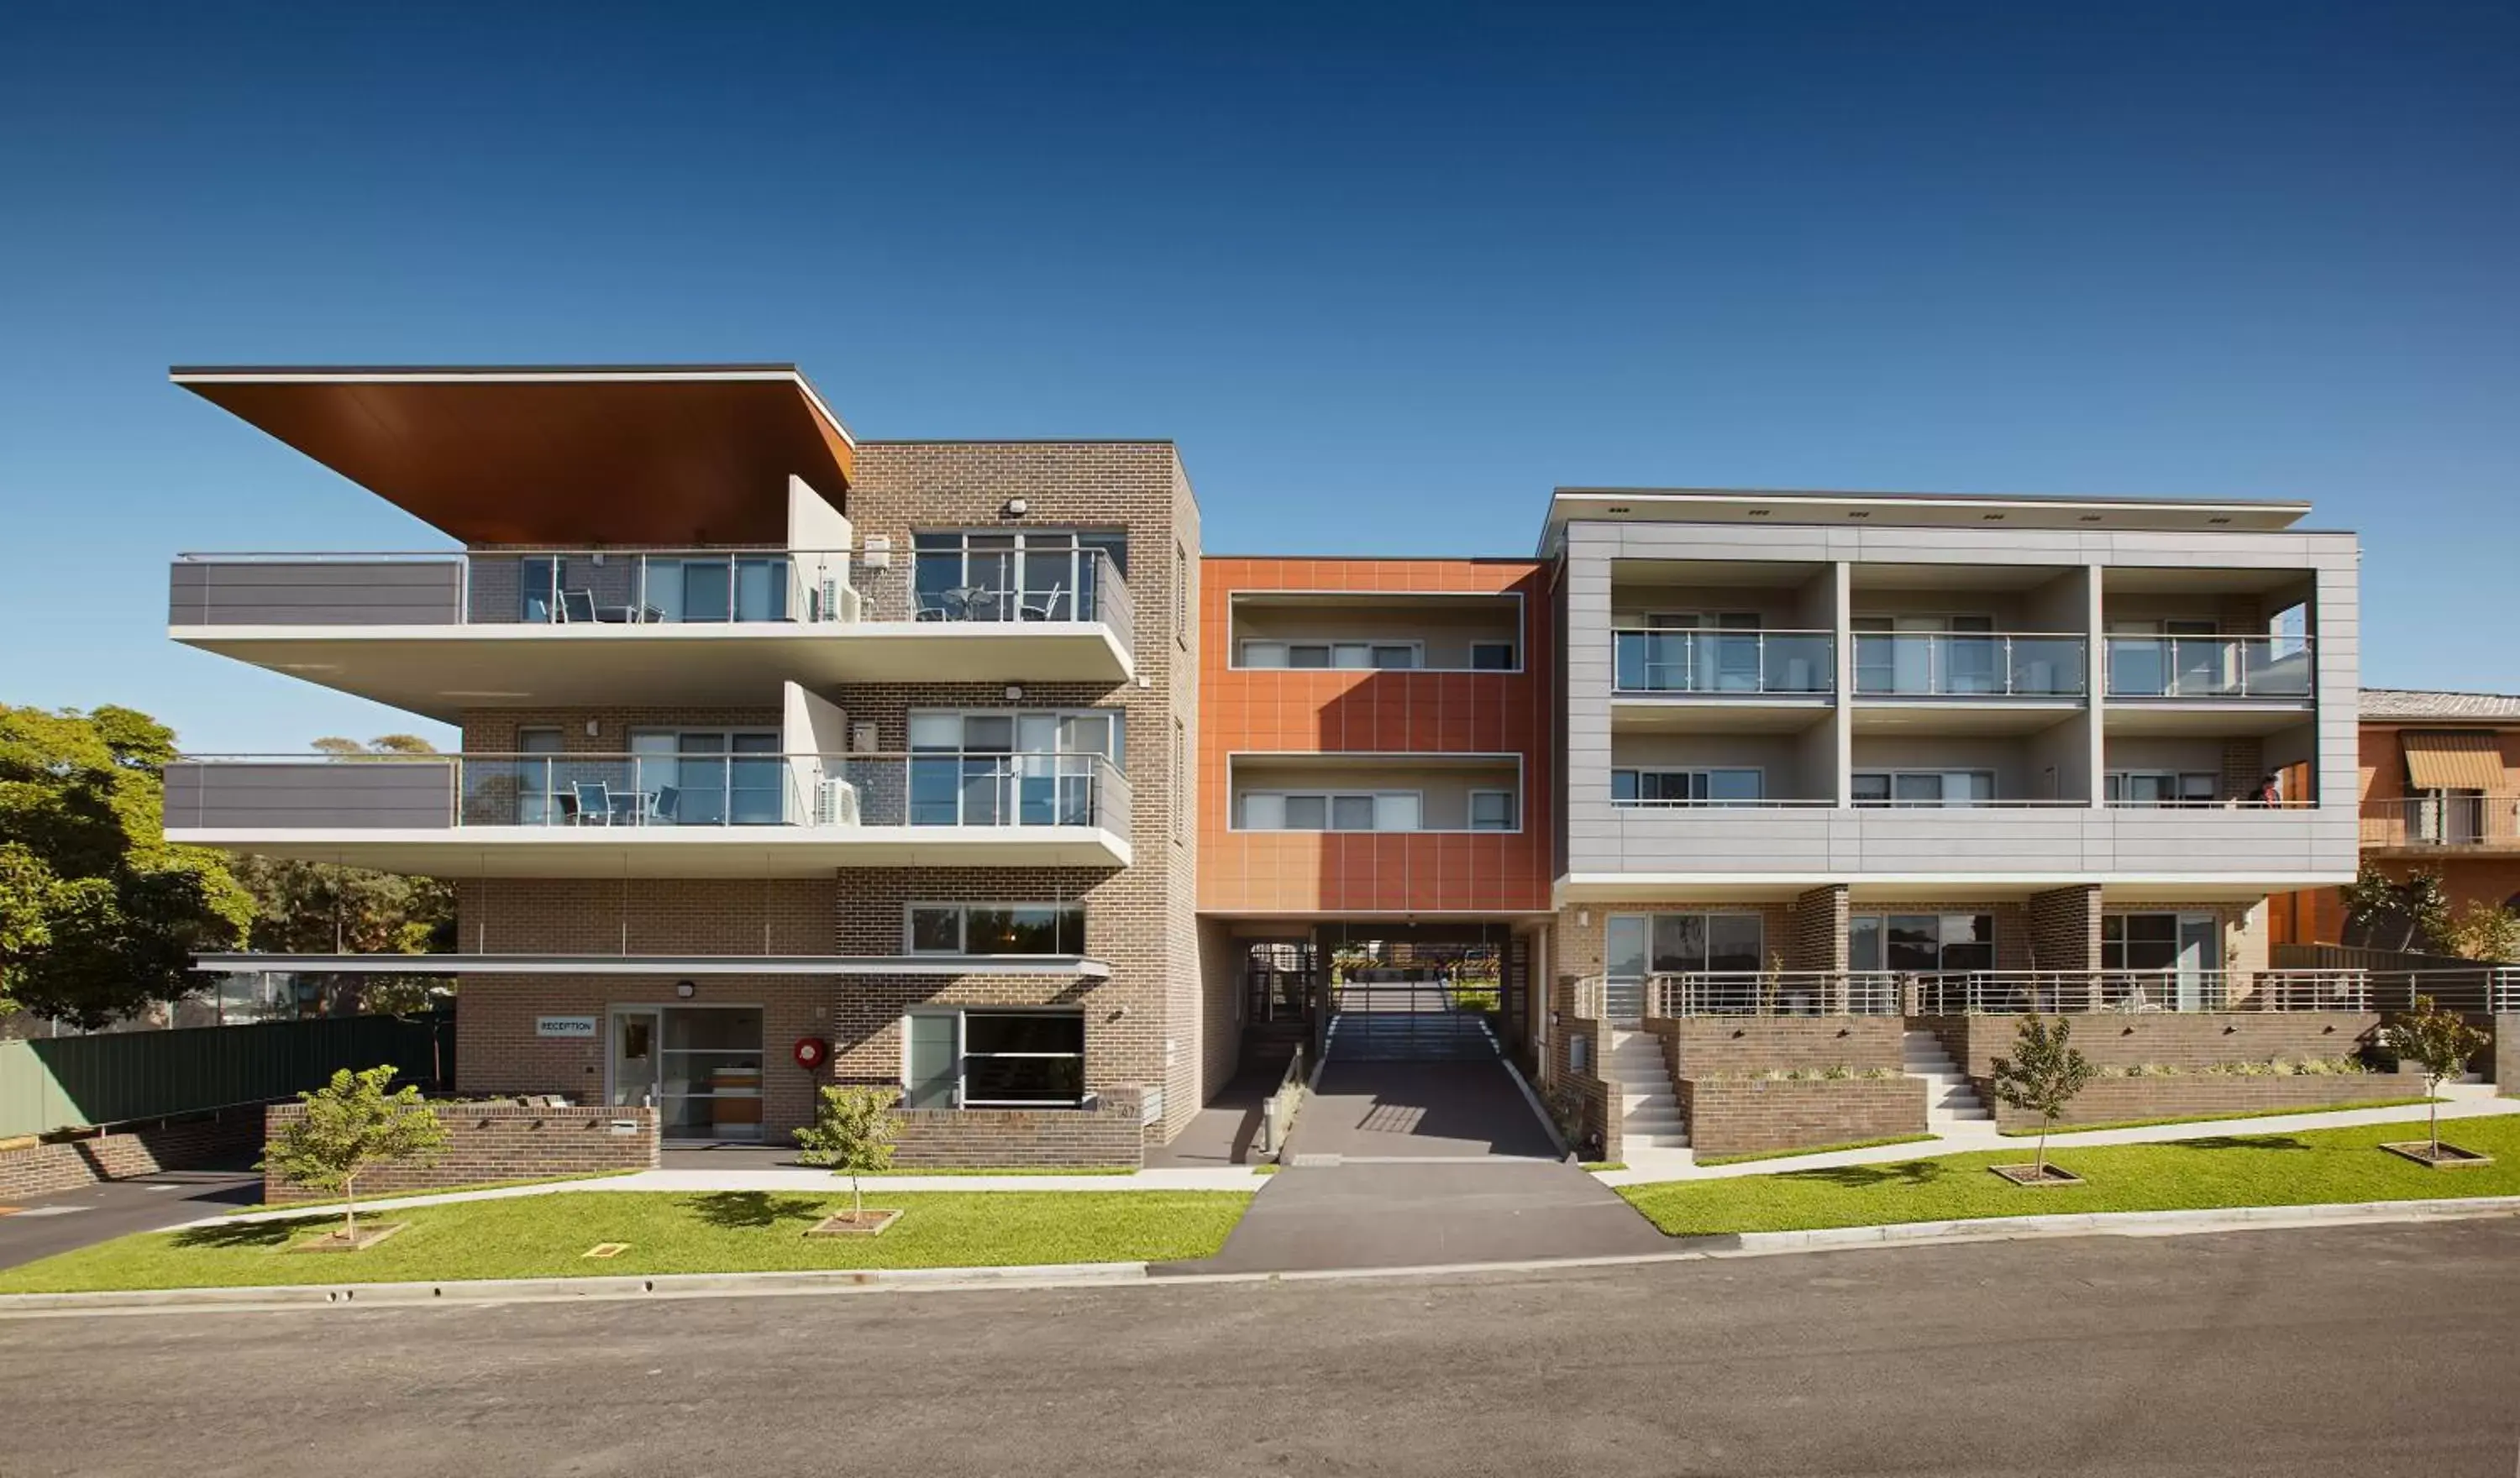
2461 1100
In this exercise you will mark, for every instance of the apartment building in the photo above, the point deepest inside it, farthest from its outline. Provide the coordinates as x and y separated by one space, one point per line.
771 736
2437 795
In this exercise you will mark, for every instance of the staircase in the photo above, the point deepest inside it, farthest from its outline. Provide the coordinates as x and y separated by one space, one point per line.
1651 1130
1952 1105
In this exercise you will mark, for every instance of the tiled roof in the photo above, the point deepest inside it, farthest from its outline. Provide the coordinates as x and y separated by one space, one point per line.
2414 703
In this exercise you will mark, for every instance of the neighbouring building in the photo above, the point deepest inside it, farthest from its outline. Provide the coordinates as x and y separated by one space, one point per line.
961 762
2437 795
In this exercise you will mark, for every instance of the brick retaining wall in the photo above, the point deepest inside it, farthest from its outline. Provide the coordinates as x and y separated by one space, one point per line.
491 1141
1104 1136
2172 1039
2504 1060
48 1168
1707 1047
2107 1100
1753 1116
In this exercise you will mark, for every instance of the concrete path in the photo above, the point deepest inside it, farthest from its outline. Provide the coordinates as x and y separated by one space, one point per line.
38 1227
2290 1353
2460 1101
1396 1214
1417 1110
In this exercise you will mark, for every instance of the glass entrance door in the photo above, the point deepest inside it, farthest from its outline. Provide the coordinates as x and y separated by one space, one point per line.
636 1038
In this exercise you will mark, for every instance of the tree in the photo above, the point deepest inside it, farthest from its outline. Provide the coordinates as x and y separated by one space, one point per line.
98 916
2042 1075
852 1134
314 908
2439 1042
2487 932
351 1124
2383 913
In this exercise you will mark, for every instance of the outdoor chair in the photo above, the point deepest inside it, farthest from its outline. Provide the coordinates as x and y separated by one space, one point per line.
577 605
1042 605
662 806
594 800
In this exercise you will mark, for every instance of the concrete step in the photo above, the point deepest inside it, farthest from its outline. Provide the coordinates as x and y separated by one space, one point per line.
1653 1142
1631 1102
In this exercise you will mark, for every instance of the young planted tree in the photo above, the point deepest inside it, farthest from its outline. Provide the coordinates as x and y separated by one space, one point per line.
2439 1042
852 1135
2042 1075
350 1126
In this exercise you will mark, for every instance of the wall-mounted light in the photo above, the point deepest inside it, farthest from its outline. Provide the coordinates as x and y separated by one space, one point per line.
1014 693
686 989
594 727
1016 508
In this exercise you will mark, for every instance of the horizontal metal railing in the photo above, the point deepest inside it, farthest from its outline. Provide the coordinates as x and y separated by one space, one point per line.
1970 664
2209 667
1756 804
646 586
1682 994
1798 663
1959 993
925 788
2455 819
1772 992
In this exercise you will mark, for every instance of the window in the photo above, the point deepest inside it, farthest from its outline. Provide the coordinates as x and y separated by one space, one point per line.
1358 655
996 928
1181 593
1332 810
1026 575
1921 943
1178 797
2160 787
1924 788
692 778
1030 767
1492 657
1493 810
2183 951
1663 944
1674 787
993 1058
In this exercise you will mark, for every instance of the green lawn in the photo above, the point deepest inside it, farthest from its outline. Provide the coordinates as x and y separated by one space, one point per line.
2258 1170
1787 1154
2209 1118
723 1231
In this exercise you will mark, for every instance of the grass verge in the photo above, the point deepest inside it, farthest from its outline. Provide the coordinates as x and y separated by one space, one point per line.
721 1232
2215 1118
2257 1170
387 1198
1787 1154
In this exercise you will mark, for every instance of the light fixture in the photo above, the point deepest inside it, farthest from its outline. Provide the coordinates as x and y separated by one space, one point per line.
686 989
594 727
1016 508
2091 518
1014 693
1859 512
1992 517
2218 520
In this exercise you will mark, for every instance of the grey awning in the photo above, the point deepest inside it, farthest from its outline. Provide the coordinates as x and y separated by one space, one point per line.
656 965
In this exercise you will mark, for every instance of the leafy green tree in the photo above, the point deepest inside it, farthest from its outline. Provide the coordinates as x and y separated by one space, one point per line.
350 1126
314 908
2440 1043
2480 930
852 1134
98 916
2044 1073
2384 913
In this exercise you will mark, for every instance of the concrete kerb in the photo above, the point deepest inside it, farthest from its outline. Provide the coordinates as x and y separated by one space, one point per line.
2139 1224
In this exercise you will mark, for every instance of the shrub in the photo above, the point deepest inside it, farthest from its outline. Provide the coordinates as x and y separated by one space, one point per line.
351 1124
2044 1074
852 1134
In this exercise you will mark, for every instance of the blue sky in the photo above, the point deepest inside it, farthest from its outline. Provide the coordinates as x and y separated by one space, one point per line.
1387 274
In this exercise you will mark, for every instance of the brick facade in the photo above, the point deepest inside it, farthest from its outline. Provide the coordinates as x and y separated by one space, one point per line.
1706 1047
1749 1116
2170 1039
491 1141
1103 1135
2110 1100
2065 929
48 1166
1816 929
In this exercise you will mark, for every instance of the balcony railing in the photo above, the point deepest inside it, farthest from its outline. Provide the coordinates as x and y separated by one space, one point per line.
2209 667
2455 819
1968 664
1790 663
490 791
638 587
1773 993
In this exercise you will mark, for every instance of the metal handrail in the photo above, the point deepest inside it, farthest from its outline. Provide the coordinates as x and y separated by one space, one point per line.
2003 665
2461 818
2222 665
1716 660
1957 993
1680 995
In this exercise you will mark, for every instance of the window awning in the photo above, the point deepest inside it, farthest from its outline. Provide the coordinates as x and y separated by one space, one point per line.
655 965
2454 759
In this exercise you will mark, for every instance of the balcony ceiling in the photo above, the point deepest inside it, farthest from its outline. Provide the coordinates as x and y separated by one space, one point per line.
652 456
669 851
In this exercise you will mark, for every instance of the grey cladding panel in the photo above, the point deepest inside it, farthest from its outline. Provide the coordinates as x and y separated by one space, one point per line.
346 794
327 593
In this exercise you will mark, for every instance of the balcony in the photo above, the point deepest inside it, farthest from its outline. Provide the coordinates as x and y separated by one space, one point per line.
439 632
657 815
1714 680
2458 821
2215 668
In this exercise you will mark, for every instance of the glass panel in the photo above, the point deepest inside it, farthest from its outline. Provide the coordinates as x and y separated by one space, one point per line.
1492 810
1264 653
984 790
937 579
761 590
935 730
1264 812
634 1059
1732 942
930 1063
1623 784
1871 789
537 590
1307 813
1913 942
935 789
1395 811
1678 942
1023 1032
1917 789
989 733
1308 655
1492 657
1352 813
708 591
1968 941
1393 655
989 570
1625 946
1734 786
1023 1080
1049 580
936 931
2198 787
1351 654
1864 943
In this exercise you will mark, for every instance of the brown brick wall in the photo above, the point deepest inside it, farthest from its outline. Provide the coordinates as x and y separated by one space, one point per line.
498 1143
1737 1116
2109 1101
2174 1039
1702 1047
1816 929
1599 1115
1104 1136
2065 929
48 1168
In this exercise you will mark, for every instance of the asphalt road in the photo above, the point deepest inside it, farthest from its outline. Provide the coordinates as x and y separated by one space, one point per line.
2364 1351
36 1226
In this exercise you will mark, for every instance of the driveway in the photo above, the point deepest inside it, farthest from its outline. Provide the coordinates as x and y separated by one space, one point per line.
1397 1214
42 1226
1367 1109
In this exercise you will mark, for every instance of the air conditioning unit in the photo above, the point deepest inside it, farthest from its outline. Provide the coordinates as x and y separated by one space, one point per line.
835 802
839 602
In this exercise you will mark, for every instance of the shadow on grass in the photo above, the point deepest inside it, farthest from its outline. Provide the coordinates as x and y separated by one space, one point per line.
752 1210
253 1233
1871 1177
2236 1142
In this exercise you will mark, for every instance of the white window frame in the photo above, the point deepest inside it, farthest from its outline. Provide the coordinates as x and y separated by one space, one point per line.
1329 800
2114 785
962 924
1893 803
962 1015
1512 810
1702 777
1331 646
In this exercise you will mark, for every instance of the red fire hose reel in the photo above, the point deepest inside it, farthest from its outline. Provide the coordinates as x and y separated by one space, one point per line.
811 1052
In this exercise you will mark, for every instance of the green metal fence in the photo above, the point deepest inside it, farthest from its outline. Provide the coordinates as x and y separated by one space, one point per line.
65 1081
